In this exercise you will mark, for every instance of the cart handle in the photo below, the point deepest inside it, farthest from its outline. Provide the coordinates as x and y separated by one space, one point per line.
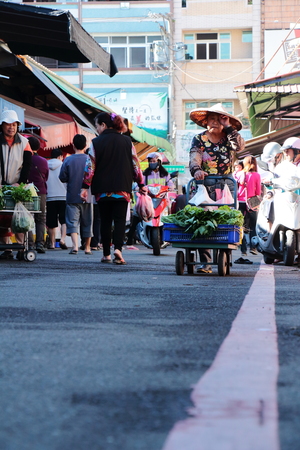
215 177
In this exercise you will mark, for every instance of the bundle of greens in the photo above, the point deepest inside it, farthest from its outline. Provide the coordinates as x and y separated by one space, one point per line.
18 193
202 222
2 203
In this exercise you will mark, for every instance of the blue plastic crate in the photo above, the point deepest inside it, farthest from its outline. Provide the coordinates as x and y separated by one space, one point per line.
228 234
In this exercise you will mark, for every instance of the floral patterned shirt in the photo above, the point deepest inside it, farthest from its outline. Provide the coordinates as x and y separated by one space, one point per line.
215 159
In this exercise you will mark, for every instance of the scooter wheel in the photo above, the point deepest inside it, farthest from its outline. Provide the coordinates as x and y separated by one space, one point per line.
289 248
155 240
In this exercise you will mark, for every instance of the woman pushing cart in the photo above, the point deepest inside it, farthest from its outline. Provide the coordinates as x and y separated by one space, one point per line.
213 152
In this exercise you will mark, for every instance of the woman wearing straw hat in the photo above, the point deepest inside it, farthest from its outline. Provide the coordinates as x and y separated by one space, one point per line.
213 153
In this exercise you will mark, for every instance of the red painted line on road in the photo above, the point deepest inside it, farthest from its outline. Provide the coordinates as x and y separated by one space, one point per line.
235 402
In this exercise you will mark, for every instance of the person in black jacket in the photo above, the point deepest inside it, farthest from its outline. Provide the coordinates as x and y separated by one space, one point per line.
111 168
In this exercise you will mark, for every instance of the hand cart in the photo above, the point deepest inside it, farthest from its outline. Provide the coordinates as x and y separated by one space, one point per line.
29 254
225 239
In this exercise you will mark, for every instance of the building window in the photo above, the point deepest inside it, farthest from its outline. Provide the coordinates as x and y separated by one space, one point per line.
246 36
54 63
208 45
188 106
128 51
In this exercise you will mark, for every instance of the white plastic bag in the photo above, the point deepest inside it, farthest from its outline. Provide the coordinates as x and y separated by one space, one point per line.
32 188
201 196
22 221
226 198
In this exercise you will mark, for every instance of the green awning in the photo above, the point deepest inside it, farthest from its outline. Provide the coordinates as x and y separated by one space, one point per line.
138 134
71 90
141 135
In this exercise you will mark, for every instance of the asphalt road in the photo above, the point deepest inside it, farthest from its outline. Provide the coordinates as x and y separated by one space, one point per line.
96 356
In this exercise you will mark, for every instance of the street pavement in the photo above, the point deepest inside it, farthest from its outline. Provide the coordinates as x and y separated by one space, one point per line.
98 356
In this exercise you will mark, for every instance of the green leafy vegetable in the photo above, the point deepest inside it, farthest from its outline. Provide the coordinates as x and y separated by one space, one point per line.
18 193
202 222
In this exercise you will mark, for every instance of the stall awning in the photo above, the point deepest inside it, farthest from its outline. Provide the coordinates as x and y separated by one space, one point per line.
39 31
271 100
55 131
74 92
256 145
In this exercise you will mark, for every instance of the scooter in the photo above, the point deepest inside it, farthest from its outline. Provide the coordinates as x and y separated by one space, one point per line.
283 240
150 233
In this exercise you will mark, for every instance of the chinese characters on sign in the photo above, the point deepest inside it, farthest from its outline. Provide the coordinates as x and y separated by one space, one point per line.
149 110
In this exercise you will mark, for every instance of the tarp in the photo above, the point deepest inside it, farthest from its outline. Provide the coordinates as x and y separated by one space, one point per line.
39 31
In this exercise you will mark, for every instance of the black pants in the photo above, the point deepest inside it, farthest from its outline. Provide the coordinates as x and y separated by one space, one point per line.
96 239
112 211
250 218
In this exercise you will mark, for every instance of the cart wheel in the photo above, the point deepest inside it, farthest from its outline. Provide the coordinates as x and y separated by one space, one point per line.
29 256
223 263
190 267
179 263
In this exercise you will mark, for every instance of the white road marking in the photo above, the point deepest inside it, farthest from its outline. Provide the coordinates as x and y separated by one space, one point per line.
235 401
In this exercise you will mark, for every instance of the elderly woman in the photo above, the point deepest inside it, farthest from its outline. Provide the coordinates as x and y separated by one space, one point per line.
213 152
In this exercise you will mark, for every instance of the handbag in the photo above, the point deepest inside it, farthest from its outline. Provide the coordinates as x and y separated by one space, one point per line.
253 203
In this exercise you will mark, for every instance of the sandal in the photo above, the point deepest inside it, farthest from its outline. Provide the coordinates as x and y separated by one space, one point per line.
73 252
106 259
118 258
243 261
63 246
119 261
88 253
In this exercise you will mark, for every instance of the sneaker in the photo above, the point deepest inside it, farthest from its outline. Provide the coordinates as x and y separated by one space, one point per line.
253 251
204 268
131 247
40 248
244 254
7 254
165 244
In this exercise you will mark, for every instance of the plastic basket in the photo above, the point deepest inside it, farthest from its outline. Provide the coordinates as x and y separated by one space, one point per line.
9 203
34 205
228 234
